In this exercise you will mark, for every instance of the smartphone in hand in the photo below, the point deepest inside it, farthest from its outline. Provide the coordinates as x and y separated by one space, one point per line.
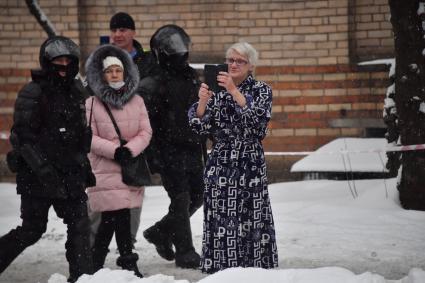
211 73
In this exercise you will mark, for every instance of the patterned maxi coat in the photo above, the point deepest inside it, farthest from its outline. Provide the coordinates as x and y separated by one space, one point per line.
238 221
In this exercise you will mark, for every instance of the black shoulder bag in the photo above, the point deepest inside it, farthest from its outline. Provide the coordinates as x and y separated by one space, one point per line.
136 171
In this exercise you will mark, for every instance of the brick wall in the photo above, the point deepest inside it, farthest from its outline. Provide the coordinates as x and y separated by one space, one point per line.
286 32
370 30
308 53
20 39
21 35
313 105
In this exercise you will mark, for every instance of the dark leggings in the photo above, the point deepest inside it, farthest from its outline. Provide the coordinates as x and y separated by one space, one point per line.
117 221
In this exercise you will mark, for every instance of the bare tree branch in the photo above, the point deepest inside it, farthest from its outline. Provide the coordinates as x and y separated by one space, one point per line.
41 17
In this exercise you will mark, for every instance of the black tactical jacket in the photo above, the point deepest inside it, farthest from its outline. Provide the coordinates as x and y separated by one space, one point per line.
168 97
50 138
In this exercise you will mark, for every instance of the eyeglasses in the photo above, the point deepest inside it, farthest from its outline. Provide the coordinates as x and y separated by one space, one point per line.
238 62
113 70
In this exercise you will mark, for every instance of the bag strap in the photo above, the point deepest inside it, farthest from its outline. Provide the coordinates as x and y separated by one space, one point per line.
114 122
91 111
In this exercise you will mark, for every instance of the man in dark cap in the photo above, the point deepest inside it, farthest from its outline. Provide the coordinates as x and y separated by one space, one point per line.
123 31
50 145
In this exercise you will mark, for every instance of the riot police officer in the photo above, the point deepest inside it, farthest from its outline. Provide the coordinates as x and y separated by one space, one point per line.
175 151
50 142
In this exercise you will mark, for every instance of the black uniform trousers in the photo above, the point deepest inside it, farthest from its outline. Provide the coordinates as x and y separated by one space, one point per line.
182 178
34 214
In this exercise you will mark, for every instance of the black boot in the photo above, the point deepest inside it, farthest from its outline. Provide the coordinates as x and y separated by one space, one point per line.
99 257
188 259
15 242
9 249
72 278
129 262
161 241
6 256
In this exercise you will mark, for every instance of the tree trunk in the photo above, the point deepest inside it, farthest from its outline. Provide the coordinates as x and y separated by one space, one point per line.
409 98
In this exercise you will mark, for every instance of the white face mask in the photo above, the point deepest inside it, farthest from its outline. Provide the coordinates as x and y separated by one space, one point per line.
116 85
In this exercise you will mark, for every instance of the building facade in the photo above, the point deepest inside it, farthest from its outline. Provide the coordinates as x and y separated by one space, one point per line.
309 54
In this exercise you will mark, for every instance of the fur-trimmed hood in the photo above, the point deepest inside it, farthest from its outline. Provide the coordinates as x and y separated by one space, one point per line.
99 86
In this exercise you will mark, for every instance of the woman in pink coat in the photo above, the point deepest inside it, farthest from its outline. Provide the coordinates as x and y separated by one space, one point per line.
113 79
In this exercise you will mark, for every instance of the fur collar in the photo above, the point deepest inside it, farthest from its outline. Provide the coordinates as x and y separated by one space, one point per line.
100 87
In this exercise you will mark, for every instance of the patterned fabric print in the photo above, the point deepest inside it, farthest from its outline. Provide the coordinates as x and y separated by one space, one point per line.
238 221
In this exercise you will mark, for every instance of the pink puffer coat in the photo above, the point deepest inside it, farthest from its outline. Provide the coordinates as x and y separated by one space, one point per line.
129 111
110 193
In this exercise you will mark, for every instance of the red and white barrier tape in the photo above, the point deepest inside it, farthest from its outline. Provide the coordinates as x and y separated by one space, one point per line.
343 151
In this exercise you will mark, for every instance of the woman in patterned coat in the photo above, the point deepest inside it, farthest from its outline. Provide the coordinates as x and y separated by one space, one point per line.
238 221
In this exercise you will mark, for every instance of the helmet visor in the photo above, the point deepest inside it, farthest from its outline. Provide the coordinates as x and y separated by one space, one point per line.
170 41
58 48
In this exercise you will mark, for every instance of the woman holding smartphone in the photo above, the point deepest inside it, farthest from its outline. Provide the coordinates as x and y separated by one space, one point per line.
238 221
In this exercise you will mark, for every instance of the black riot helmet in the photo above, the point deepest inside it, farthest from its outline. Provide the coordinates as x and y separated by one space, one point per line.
58 46
170 44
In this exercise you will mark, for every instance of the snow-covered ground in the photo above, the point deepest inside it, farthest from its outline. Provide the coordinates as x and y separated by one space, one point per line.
323 235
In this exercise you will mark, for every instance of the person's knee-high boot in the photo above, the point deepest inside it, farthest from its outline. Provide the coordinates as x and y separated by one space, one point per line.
127 259
186 257
99 256
102 240
129 262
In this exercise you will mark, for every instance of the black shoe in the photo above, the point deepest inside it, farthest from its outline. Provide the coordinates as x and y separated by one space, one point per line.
190 259
72 279
129 262
162 243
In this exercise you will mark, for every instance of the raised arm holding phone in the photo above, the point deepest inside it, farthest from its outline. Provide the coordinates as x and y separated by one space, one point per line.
224 80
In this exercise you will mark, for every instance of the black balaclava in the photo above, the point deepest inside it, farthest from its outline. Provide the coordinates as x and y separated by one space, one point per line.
170 44
55 47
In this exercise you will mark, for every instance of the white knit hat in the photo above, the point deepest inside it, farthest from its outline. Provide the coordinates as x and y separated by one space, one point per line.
111 60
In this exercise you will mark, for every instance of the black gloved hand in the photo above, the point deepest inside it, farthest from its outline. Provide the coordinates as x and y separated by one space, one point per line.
14 161
122 155
52 184
47 174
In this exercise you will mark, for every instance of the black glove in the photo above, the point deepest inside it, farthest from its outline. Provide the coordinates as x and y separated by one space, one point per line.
53 186
122 155
14 161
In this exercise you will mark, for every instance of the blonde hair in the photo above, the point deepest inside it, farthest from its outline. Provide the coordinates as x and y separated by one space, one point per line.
246 49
